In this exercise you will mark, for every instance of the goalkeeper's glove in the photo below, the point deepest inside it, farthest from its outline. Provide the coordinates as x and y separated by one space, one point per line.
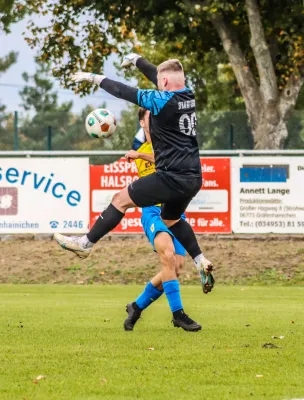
88 76
205 267
129 59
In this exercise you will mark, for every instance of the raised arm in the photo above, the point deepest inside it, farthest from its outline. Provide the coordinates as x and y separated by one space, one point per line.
147 68
152 100
115 88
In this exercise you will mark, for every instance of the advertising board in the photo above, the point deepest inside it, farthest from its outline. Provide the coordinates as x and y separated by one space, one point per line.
209 211
268 195
44 195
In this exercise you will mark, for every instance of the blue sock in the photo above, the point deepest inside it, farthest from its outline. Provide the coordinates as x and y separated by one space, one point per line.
172 291
150 294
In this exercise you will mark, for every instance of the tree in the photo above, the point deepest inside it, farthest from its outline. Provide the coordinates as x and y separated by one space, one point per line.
262 41
6 139
11 11
127 128
211 77
42 110
40 102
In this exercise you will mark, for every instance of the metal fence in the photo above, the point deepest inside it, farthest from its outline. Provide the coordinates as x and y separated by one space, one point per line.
121 153
100 157
62 131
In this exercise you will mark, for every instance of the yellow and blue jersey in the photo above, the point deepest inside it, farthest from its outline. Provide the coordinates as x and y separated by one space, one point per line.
151 220
144 167
139 139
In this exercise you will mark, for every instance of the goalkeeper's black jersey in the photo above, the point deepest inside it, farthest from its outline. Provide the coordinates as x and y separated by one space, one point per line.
172 122
173 130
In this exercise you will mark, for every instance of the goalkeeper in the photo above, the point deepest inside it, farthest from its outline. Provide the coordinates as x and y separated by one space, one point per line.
156 231
178 178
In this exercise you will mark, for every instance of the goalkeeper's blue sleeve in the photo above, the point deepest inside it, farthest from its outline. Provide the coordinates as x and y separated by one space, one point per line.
153 100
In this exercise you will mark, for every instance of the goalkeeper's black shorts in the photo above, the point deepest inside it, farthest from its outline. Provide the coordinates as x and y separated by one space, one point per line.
174 192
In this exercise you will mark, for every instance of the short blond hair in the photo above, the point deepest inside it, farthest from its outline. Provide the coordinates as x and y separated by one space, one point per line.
172 65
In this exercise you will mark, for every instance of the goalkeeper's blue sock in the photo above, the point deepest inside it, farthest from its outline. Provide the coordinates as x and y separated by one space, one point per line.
171 288
148 296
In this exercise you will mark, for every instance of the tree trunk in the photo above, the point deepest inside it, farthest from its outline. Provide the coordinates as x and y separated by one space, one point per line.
269 120
267 108
270 131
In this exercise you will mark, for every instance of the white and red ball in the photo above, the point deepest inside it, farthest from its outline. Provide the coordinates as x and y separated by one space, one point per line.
100 123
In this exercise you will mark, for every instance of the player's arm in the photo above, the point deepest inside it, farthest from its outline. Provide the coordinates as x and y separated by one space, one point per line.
147 68
152 100
120 90
147 157
115 88
134 155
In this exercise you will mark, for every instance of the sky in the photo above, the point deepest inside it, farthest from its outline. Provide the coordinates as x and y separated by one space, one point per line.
9 95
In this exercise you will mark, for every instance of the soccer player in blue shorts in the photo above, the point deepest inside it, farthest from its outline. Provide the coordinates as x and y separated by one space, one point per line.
155 229
178 176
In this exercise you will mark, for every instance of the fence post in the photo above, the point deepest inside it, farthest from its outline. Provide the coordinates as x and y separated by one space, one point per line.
16 132
231 137
49 138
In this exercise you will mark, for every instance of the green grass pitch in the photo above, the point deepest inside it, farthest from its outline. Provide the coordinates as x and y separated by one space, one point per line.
73 336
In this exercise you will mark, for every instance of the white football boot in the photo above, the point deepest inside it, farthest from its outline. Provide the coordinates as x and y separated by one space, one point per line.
73 243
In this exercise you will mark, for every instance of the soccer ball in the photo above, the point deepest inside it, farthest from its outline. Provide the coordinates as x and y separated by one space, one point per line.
100 123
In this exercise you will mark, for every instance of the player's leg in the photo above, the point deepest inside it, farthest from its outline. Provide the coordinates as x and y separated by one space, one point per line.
165 248
174 207
151 293
157 280
180 320
152 225
180 261
144 192
183 232
106 222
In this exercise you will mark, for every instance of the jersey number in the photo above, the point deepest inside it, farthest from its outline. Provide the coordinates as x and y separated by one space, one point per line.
187 124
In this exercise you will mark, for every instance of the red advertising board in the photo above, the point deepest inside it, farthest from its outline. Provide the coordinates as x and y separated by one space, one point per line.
105 181
209 211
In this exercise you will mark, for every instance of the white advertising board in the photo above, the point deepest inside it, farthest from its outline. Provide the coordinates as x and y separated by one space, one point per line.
44 195
267 194
209 201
